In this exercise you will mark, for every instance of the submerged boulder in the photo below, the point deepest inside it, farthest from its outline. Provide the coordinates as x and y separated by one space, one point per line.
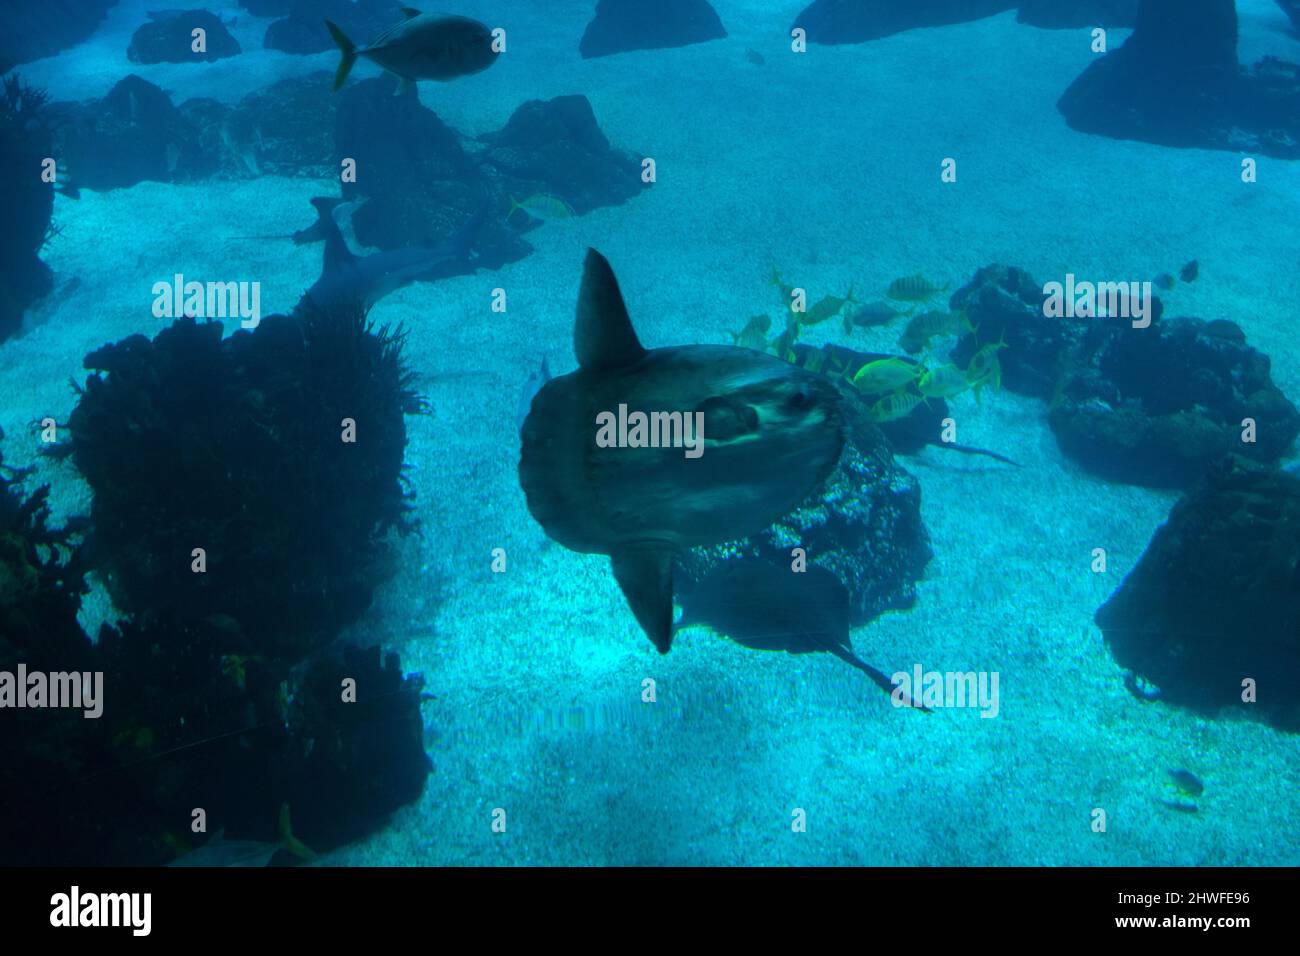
37 30
169 38
1176 81
864 525
1005 304
25 140
556 147
1215 599
1158 406
855 21
623 25
133 134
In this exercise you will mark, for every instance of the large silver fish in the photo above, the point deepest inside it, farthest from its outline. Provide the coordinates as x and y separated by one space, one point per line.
424 46
772 432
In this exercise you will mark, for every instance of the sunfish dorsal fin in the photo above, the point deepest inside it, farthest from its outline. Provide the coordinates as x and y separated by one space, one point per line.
646 577
603 336
410 12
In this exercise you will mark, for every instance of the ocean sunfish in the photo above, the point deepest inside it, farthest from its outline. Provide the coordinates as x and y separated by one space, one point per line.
765 607
771 434
424 46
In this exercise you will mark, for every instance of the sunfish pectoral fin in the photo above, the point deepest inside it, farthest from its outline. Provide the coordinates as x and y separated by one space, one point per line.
646 577
603 336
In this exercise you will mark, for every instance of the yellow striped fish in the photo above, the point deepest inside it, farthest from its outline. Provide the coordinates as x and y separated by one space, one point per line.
915 288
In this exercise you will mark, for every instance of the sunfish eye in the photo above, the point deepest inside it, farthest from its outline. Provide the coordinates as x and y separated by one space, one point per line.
799 399
725 419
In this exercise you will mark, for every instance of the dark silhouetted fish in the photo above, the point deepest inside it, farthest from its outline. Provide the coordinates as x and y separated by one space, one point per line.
424 46
1189 272
769 608
347 277
772 433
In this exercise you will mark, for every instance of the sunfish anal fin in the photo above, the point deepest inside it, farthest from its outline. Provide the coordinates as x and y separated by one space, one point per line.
646 577
603 336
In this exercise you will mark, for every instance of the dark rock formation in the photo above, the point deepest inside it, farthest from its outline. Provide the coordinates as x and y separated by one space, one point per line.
854 21
285 129
234 446
864 525
134 133
1068 14
1176 81
1292 9
1216 597
169 39
1005 303
36 30
303 30
622 25
1158 406
25 141
556 147
420 183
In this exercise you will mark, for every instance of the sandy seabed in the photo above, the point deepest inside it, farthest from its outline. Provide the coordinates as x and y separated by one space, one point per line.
826 166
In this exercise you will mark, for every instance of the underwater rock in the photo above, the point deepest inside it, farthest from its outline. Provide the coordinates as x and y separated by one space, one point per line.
1176 82
285 129
135 133
36 30
855 21
367 756
1292 9
303 30
169 39
1069 14
1157 406
1215 599
1005 303
623 25
556 147
864 526
421 185
25 140
235 446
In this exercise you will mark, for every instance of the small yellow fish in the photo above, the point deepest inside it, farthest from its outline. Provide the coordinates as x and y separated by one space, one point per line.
754 334
787 292
984 367
542 206
783 345
885 375
943 382
930 325
827 308
892 407
915 288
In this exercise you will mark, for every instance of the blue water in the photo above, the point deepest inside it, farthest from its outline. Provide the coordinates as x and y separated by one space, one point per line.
827 167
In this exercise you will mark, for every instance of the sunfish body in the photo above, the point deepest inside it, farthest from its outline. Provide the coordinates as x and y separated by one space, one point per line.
347 277
771 434
424 46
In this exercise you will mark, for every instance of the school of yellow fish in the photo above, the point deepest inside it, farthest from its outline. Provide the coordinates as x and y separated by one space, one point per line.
897 385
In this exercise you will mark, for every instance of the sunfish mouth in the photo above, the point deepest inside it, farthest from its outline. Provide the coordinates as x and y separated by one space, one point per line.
758 437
